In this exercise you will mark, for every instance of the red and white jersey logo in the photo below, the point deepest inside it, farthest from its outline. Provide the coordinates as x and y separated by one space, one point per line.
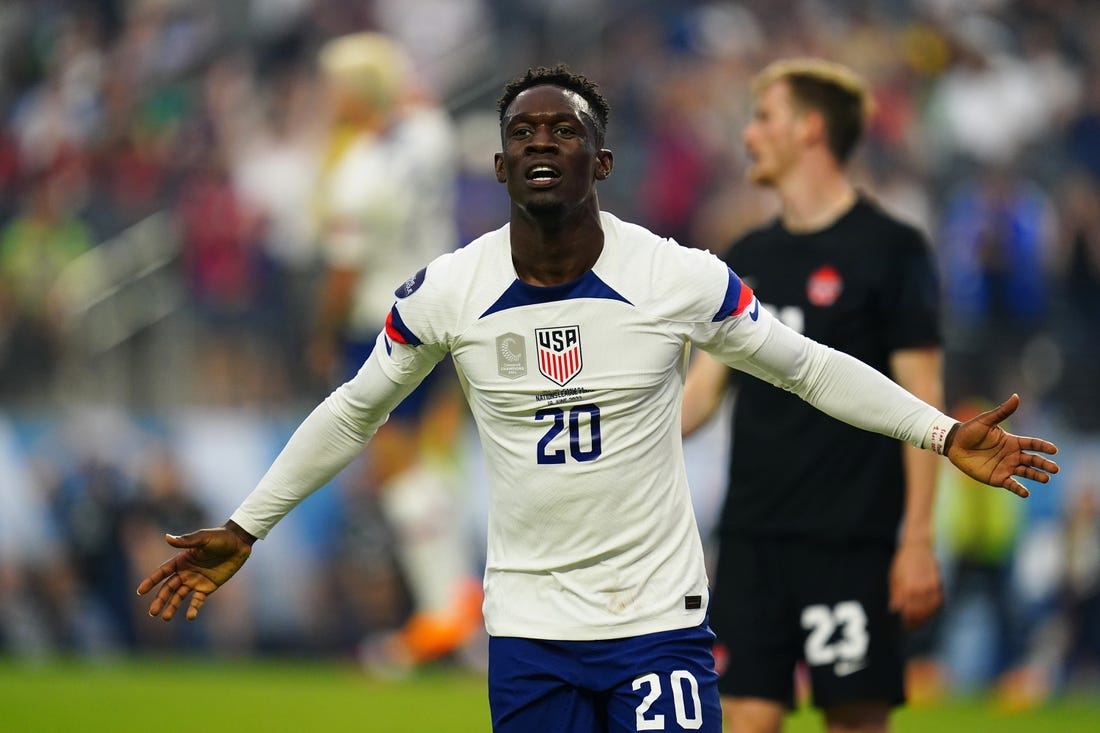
559 353
824 286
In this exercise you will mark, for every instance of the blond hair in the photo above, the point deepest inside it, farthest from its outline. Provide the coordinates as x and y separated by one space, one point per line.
371 65
834 90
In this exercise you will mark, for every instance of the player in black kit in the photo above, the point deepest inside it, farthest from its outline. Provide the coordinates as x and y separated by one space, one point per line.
814 562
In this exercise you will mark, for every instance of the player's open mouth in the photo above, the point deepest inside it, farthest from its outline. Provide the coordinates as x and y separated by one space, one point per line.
543 175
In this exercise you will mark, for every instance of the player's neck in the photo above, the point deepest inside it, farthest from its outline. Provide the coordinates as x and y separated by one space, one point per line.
547 255
813 203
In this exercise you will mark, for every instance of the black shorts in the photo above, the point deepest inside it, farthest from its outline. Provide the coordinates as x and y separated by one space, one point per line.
778 601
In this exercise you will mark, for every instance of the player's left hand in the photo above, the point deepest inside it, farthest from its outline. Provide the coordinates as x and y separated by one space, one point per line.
916 590
981 449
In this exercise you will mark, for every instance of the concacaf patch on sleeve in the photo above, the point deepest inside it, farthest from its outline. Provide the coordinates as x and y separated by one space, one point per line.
411 285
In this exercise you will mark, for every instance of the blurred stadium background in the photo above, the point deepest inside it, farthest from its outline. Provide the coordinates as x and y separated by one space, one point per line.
157 275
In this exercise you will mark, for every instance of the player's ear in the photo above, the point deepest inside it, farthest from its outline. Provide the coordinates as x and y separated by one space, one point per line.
815 127
498 166
605 161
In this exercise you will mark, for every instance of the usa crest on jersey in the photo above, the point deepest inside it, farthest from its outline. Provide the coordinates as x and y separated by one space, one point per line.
559 353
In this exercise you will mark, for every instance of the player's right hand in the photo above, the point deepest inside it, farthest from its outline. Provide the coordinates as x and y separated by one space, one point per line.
207 559
916 590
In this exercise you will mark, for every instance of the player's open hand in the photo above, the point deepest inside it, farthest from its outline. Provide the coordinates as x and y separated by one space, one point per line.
207 559
981 449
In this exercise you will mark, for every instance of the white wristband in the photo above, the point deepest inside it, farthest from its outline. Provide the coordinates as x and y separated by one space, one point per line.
935 439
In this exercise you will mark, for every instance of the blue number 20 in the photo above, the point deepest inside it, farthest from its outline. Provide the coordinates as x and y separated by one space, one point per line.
557 414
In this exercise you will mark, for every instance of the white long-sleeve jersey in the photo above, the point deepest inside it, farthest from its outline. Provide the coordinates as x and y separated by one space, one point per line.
576 391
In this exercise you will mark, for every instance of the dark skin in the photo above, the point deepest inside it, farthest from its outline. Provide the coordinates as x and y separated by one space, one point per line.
206 560
555 222
556 237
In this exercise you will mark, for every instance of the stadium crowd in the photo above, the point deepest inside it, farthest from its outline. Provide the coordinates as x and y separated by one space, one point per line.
159 266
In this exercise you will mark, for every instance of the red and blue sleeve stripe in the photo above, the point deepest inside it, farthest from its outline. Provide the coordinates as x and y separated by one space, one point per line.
396 330
738 297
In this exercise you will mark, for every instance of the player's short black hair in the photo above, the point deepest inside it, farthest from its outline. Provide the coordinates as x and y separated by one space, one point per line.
560 76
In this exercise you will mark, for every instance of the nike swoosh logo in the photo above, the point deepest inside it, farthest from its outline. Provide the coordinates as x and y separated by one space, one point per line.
845 668
755 309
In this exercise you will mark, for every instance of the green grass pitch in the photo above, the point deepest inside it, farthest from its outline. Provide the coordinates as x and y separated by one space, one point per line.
173 694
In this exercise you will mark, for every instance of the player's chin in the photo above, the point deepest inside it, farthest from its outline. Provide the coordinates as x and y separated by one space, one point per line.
545 206
914 619
760 176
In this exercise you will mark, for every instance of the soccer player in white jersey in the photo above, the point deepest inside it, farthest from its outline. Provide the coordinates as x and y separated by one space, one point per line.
568 328
385 207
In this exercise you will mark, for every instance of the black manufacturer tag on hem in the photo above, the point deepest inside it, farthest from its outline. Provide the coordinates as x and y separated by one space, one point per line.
693 602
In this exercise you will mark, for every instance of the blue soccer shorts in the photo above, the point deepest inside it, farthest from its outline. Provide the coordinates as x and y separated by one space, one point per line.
655 682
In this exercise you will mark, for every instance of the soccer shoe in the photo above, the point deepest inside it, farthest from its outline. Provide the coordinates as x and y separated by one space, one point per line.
428 636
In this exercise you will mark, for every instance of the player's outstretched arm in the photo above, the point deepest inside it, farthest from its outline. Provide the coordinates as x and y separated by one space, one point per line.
206 560
981 449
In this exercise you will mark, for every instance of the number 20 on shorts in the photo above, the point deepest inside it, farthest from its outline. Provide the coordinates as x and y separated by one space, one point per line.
683 685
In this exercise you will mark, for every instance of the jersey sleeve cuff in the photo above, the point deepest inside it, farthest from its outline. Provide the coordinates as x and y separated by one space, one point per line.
249 525
935 438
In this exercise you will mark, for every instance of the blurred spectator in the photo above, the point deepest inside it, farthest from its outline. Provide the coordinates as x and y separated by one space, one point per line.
1077 277
160 503
367 593
1082 140
131 175
1081 585
996 243
478 204
449 41
225 269
684 157
9 174
980 628
386 210
86 507
275 170
35 246
37 587
1063 649
984 108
